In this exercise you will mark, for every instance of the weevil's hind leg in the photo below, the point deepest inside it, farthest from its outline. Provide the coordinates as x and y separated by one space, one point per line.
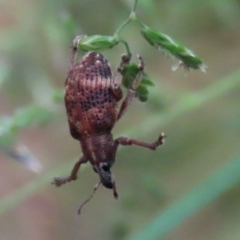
76 41
128 141
116 87
58 181
132 91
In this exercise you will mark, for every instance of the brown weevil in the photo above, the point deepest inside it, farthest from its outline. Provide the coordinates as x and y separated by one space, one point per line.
91 98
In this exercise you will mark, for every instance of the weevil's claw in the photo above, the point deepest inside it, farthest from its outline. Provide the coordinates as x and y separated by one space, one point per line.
125 61
77 39
141 63
74 47
126 58
161 138
58 181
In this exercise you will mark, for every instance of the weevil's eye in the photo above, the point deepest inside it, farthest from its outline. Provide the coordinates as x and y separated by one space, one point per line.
105 166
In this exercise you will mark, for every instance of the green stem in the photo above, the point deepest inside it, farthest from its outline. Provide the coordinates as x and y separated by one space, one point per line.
126 46
135 6
140 23
122 26
132 16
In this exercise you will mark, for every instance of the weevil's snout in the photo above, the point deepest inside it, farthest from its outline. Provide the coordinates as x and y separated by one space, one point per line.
103 170
107 183
106 178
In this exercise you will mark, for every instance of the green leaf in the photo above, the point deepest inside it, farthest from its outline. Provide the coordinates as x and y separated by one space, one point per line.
163 42
147 81
96 42
142 93
129 74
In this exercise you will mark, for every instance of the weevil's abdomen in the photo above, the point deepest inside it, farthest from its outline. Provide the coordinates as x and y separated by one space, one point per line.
90 103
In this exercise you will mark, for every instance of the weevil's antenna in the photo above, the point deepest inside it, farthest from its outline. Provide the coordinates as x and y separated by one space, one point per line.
90 197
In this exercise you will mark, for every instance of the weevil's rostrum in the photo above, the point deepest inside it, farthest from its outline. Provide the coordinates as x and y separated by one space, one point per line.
91 99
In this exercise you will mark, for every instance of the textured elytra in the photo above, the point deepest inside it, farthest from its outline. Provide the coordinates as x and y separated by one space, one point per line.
90 103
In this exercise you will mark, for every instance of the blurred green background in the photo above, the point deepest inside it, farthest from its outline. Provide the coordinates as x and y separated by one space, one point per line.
189 189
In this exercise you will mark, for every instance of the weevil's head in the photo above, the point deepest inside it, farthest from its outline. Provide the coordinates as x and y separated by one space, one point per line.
103 170
106 178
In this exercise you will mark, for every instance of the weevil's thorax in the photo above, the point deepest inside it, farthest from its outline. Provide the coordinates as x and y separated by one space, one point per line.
90 102
99 148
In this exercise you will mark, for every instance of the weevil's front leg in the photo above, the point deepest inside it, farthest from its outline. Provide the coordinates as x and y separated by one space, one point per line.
116 89
132 91
128 141
76 41
58 181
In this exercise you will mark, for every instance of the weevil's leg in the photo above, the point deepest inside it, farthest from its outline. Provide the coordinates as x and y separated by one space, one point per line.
58 181
128 141
116 87
76 41
132 91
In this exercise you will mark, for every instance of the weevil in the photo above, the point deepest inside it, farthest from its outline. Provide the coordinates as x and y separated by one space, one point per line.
91 99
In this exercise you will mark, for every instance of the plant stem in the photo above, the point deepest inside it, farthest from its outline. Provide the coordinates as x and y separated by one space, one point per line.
132 16
126 46
134 6
122 26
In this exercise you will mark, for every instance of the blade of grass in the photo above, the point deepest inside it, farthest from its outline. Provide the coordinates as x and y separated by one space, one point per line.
201 195
191 102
